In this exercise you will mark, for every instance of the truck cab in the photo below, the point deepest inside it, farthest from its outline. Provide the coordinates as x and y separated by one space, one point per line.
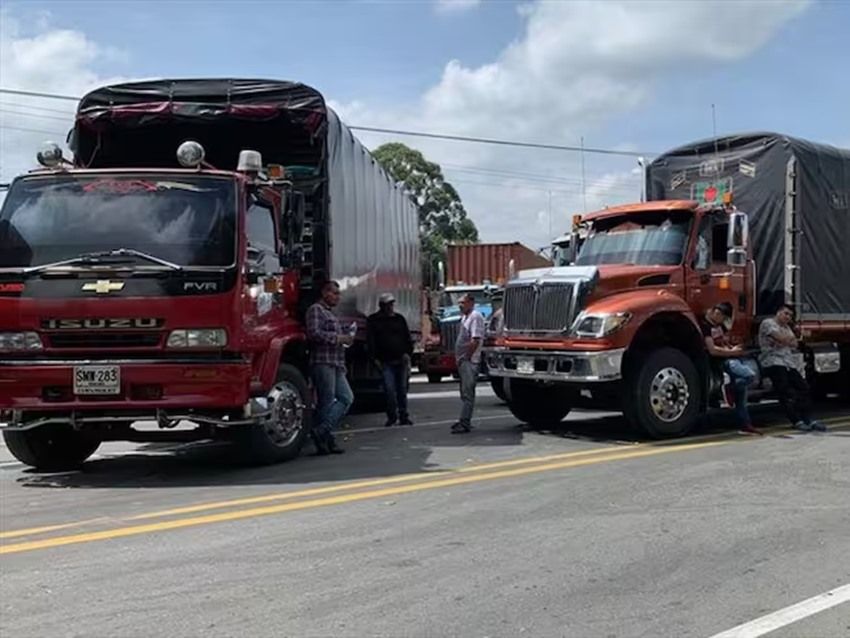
619 326
438 360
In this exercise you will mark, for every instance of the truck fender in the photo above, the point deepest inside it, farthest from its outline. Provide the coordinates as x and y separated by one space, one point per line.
270 360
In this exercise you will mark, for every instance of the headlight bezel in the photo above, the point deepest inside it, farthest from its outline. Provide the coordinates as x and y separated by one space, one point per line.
196 339
17 341
608 323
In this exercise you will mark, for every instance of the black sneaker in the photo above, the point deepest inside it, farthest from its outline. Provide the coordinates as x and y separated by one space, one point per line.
405 420
390 423
461 428
333 448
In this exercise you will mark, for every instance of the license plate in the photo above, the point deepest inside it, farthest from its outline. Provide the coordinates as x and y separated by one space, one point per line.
97 380
525 366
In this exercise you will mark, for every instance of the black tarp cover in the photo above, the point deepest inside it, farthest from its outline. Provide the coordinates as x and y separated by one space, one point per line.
363 220
757 168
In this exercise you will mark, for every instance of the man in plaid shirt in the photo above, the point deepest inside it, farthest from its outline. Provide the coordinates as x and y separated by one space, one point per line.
327 366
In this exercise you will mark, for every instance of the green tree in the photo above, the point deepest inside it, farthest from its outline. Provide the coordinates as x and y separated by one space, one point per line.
442 217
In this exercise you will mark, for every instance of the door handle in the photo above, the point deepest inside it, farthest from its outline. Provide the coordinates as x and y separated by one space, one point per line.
718 275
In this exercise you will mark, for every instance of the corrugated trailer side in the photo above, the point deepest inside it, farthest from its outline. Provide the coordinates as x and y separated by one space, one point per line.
374 230
476 263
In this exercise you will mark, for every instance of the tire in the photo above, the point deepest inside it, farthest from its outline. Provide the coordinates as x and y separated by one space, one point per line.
538 405
281 436
51 448
498 385
663 394
434 378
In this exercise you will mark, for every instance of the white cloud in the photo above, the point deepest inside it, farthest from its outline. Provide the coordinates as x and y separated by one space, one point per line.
574 67
456 6
42 59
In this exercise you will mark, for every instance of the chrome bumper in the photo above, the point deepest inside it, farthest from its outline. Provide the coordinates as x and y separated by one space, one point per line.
543 365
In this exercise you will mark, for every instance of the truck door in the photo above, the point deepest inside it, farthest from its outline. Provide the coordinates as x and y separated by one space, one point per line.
264 262
711 280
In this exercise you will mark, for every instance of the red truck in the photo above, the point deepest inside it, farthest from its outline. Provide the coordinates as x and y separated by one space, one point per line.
754 220
479 270
164 274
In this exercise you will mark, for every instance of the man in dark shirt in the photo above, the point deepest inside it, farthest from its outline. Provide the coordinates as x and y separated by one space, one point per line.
391 347
719 348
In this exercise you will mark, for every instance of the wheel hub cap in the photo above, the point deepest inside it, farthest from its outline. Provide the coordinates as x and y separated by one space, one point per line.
669 394
286 417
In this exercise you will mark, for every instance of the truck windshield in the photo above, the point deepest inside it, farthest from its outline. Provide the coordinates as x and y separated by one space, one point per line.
187 220
646 240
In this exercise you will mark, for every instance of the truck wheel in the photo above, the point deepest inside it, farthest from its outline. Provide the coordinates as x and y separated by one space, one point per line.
280 436
50 448
434 378
537 405
663 394
498 385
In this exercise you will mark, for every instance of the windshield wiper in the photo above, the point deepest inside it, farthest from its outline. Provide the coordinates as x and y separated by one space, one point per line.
105 257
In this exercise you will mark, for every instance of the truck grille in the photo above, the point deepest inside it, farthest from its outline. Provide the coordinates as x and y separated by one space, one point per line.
538 308
115 340
448 335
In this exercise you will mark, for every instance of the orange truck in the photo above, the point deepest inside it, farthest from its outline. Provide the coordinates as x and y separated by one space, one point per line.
754 220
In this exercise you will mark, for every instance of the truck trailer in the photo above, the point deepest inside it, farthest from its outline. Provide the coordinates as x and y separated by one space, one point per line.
163 275
755 220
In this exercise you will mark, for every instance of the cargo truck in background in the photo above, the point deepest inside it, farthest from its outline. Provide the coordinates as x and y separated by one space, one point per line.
477 269
755 220
164 274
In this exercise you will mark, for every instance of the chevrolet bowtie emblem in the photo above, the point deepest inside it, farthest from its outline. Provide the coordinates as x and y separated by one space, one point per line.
103 286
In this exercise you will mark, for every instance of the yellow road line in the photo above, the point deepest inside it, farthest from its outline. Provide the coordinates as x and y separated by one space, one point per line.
136 530
47 528
279 496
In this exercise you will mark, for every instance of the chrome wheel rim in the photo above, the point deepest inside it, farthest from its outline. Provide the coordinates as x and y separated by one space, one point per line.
669 394
286 414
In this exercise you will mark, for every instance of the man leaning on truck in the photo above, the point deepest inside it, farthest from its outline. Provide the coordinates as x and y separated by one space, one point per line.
779 359
327 367
718 347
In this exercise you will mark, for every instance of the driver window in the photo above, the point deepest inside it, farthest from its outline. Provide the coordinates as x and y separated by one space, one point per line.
702 256
719 243
261 234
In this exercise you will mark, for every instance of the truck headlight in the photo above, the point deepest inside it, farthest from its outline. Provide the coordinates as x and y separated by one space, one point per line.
598 325
20 342
198 338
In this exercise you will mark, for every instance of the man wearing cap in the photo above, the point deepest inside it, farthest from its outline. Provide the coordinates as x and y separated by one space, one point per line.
468 356
719 348
391 347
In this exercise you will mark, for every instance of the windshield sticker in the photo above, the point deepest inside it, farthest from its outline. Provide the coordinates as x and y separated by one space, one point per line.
122 186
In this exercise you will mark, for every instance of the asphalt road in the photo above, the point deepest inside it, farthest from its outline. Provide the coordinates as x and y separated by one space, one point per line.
583 531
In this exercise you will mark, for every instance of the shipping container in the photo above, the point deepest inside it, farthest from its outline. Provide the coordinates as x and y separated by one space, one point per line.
474 264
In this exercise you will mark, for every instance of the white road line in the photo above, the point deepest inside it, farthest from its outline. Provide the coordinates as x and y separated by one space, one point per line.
783 617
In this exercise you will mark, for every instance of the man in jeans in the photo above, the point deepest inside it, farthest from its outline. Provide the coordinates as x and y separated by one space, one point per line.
780 359
468 356
327 366
391 347
717 344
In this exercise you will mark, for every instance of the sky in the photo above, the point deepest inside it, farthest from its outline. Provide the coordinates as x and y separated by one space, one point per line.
618 74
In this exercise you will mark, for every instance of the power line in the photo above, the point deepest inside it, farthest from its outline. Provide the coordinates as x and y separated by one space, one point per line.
439 136
33 107
41 115
31 130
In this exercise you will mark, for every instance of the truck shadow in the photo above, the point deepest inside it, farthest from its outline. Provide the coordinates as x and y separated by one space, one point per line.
370 454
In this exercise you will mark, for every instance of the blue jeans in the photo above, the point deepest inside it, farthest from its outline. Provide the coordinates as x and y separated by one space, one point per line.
741 377
395 376
334 397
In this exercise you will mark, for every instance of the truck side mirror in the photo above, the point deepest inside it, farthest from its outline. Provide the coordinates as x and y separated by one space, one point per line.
738 239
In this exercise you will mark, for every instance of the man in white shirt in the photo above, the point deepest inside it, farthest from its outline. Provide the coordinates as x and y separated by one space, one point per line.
468 356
